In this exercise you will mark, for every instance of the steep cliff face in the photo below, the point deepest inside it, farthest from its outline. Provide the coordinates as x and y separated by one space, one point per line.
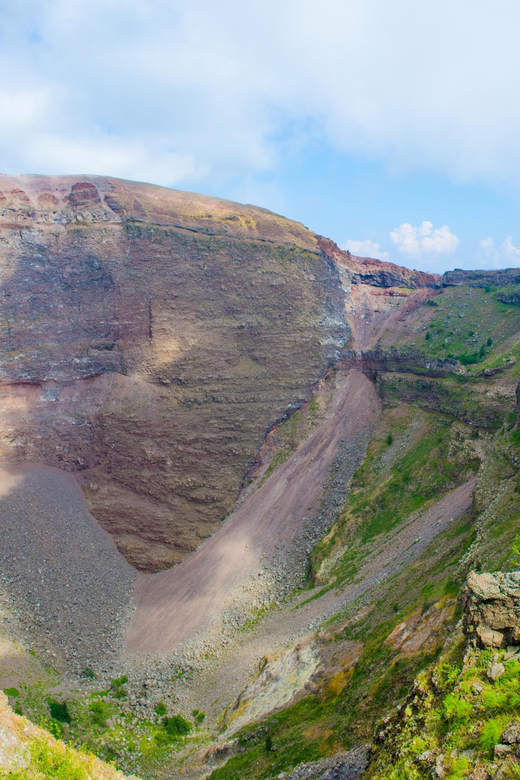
149 338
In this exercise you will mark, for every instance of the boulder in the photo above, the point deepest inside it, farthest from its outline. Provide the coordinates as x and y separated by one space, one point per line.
511 735
491 604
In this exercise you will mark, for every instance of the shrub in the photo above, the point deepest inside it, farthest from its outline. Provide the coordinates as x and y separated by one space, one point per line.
490 734
456 708
176 726
59 711
88 673
99 712
117 687
160 708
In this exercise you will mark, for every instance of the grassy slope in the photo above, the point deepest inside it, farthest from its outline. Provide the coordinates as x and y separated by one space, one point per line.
32 753
350 698
455 716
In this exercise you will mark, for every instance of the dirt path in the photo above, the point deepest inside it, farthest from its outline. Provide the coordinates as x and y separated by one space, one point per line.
173 605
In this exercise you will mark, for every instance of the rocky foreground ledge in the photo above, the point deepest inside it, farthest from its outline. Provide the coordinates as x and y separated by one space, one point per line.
27 751
462 717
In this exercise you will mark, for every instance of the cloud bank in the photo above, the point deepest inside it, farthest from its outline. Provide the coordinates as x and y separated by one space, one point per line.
175 92
500 256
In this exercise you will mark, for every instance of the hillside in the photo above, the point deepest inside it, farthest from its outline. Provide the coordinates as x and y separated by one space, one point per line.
186 360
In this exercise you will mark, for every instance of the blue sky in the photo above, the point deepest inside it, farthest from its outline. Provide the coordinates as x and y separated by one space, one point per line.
391 126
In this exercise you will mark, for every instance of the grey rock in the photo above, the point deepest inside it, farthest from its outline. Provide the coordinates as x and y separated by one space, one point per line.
495 670
511 735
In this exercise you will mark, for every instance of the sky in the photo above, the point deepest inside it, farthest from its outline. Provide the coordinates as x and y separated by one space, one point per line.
390 126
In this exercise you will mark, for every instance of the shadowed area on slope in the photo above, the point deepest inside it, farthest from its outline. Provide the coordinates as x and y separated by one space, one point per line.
62 571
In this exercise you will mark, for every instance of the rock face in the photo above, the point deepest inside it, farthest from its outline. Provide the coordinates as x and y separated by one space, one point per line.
148 340
500 277
276 685
492 609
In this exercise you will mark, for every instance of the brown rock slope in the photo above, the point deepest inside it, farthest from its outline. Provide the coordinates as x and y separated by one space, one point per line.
148 339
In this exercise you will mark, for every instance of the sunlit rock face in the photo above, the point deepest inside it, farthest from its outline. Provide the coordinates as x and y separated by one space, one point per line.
149 338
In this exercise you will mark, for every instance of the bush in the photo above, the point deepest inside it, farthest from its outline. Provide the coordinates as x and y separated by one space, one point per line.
99 712
59 711
160 708
117 687
468 359
490 734
88 673
176 726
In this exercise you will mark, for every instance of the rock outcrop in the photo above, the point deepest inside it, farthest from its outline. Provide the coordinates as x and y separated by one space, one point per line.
492 609
499 277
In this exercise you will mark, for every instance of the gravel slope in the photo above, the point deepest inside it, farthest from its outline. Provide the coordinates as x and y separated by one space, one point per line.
64 575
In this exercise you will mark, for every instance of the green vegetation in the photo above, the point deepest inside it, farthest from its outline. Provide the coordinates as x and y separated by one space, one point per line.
385 493
455 709
199 716
49 762
465 323
279 458
348 704
59 711
117 686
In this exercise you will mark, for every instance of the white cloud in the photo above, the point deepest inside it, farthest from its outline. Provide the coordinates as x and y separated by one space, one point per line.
221 87
510 250
498 257
365 248
125 158
416 242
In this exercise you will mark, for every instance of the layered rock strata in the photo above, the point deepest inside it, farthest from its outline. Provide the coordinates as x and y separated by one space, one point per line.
149 338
